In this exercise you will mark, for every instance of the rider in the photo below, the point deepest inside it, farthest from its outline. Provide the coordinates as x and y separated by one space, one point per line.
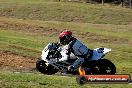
73 45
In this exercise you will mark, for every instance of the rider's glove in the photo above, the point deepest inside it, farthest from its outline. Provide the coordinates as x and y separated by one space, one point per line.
59 49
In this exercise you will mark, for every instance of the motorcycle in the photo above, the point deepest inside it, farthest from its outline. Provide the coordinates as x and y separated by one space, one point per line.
49 62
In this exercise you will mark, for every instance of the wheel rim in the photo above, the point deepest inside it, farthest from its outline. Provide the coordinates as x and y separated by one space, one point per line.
107 67
108 70
42 65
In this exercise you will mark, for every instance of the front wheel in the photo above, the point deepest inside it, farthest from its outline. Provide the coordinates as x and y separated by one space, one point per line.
43 68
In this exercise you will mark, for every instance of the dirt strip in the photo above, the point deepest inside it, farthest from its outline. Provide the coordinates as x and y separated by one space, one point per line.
13 62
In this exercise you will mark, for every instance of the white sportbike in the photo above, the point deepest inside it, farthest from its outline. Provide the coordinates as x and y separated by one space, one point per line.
49 62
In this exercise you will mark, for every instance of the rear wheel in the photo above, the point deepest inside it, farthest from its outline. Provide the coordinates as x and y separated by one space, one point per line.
102 66
92 66
107 67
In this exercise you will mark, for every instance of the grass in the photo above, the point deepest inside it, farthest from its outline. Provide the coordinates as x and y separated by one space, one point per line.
22 40
26 26
76 12
22 43
35 80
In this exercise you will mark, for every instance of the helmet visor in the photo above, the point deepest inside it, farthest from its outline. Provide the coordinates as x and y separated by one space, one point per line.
62 40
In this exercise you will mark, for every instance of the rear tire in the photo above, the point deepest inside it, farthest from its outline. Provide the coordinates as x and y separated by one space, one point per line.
93 66
106 67
101 66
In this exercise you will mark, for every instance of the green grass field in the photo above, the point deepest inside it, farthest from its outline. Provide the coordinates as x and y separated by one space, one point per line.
65 11
26 26
35 80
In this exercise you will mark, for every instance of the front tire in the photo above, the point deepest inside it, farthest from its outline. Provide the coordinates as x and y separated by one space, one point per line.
43 68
